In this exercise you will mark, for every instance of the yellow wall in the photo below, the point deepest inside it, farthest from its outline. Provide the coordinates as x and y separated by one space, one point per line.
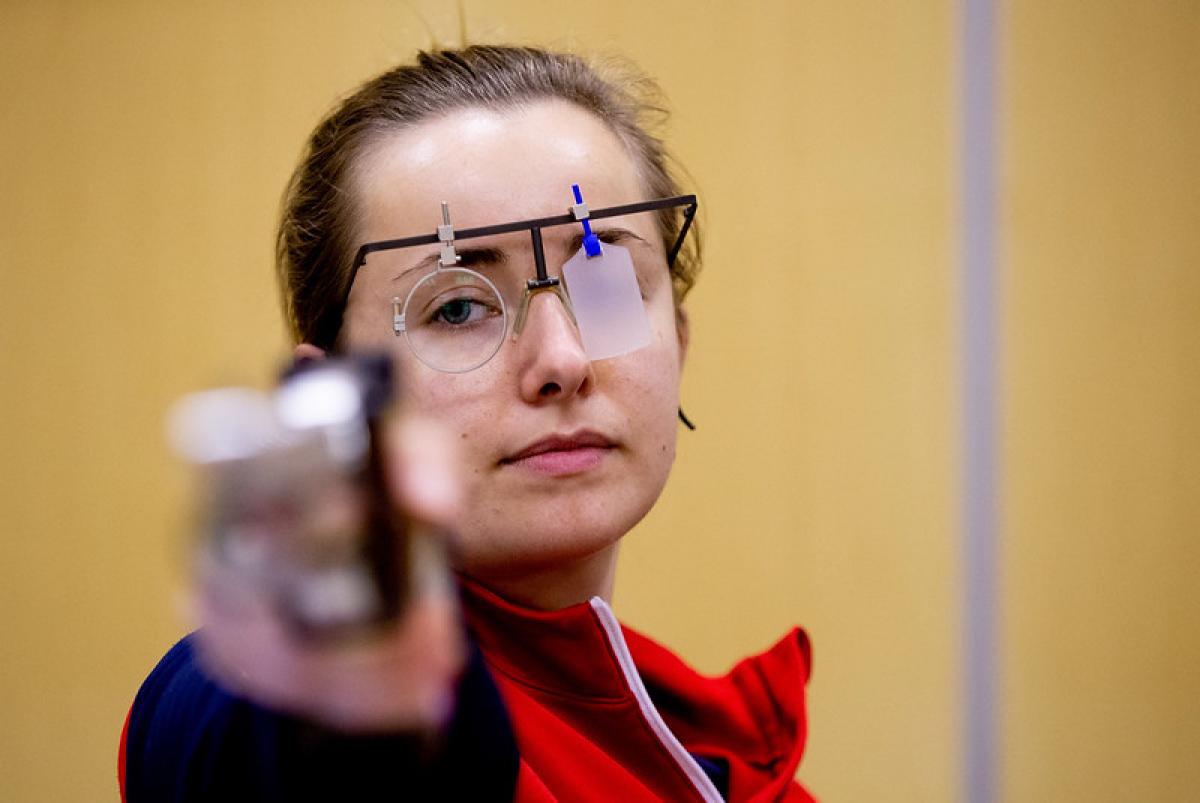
145 145
1102 402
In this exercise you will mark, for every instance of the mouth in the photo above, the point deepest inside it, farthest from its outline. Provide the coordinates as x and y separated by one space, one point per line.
561 455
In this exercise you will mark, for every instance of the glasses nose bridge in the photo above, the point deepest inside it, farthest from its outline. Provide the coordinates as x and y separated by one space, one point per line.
534 287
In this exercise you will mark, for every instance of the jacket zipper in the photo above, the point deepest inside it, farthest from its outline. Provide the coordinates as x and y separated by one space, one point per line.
616 640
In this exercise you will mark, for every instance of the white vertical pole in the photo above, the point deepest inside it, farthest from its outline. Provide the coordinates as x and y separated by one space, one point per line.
979 370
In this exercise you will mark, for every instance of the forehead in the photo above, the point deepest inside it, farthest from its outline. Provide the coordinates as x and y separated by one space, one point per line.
491 166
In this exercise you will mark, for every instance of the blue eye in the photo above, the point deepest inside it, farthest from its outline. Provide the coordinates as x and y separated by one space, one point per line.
456 312
459 312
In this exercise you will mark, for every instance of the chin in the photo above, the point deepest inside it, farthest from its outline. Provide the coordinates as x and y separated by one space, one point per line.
556 532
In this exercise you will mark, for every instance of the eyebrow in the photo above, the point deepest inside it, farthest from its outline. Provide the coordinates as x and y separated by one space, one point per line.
483 256
477 256
611 234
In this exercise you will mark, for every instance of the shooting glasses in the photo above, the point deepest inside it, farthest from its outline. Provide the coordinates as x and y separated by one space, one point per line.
455 319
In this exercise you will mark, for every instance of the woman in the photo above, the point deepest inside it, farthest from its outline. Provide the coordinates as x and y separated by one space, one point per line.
563 440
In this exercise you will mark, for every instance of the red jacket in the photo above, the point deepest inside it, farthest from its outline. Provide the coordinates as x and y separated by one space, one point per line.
601 712
558 705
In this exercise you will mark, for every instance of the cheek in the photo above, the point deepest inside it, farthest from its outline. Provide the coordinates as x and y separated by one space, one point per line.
468 405
666 382
650 401
650 390
664 355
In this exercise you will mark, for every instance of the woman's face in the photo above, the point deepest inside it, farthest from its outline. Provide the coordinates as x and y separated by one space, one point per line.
609 426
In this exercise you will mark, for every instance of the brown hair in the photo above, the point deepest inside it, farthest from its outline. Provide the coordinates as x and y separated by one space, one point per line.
313 248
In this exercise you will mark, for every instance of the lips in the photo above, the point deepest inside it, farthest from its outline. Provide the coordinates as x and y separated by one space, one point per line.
562 454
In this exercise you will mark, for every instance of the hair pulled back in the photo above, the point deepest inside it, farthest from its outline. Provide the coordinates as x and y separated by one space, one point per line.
314 248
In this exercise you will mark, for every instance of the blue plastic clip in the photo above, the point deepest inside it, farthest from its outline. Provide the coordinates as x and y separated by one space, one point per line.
591 243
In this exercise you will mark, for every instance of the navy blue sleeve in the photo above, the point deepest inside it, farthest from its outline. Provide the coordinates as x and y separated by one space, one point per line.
190 740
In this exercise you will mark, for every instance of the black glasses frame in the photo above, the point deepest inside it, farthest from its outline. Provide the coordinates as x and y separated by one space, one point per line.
534 226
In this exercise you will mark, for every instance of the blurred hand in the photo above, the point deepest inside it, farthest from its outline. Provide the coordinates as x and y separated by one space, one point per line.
401 676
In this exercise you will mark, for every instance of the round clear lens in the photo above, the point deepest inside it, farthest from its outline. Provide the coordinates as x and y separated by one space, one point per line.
455 320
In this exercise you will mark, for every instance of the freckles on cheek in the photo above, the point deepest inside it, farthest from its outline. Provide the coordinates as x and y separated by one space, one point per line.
464 438
437 399
468 413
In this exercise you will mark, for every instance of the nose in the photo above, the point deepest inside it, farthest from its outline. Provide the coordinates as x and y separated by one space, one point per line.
553 364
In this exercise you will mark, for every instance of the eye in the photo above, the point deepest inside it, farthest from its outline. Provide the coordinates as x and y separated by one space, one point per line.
455 312
462 311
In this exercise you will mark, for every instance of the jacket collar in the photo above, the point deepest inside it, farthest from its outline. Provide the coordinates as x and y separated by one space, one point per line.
563 652
754 717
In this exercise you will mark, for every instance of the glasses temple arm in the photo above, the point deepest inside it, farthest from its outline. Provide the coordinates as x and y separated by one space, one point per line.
688 214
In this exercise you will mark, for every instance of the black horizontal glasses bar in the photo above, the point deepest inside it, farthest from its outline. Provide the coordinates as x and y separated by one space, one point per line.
534 226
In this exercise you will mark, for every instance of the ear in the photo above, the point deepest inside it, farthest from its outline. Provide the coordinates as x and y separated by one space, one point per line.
683 331
307 351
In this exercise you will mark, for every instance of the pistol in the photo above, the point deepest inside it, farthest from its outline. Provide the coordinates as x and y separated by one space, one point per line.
292 494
